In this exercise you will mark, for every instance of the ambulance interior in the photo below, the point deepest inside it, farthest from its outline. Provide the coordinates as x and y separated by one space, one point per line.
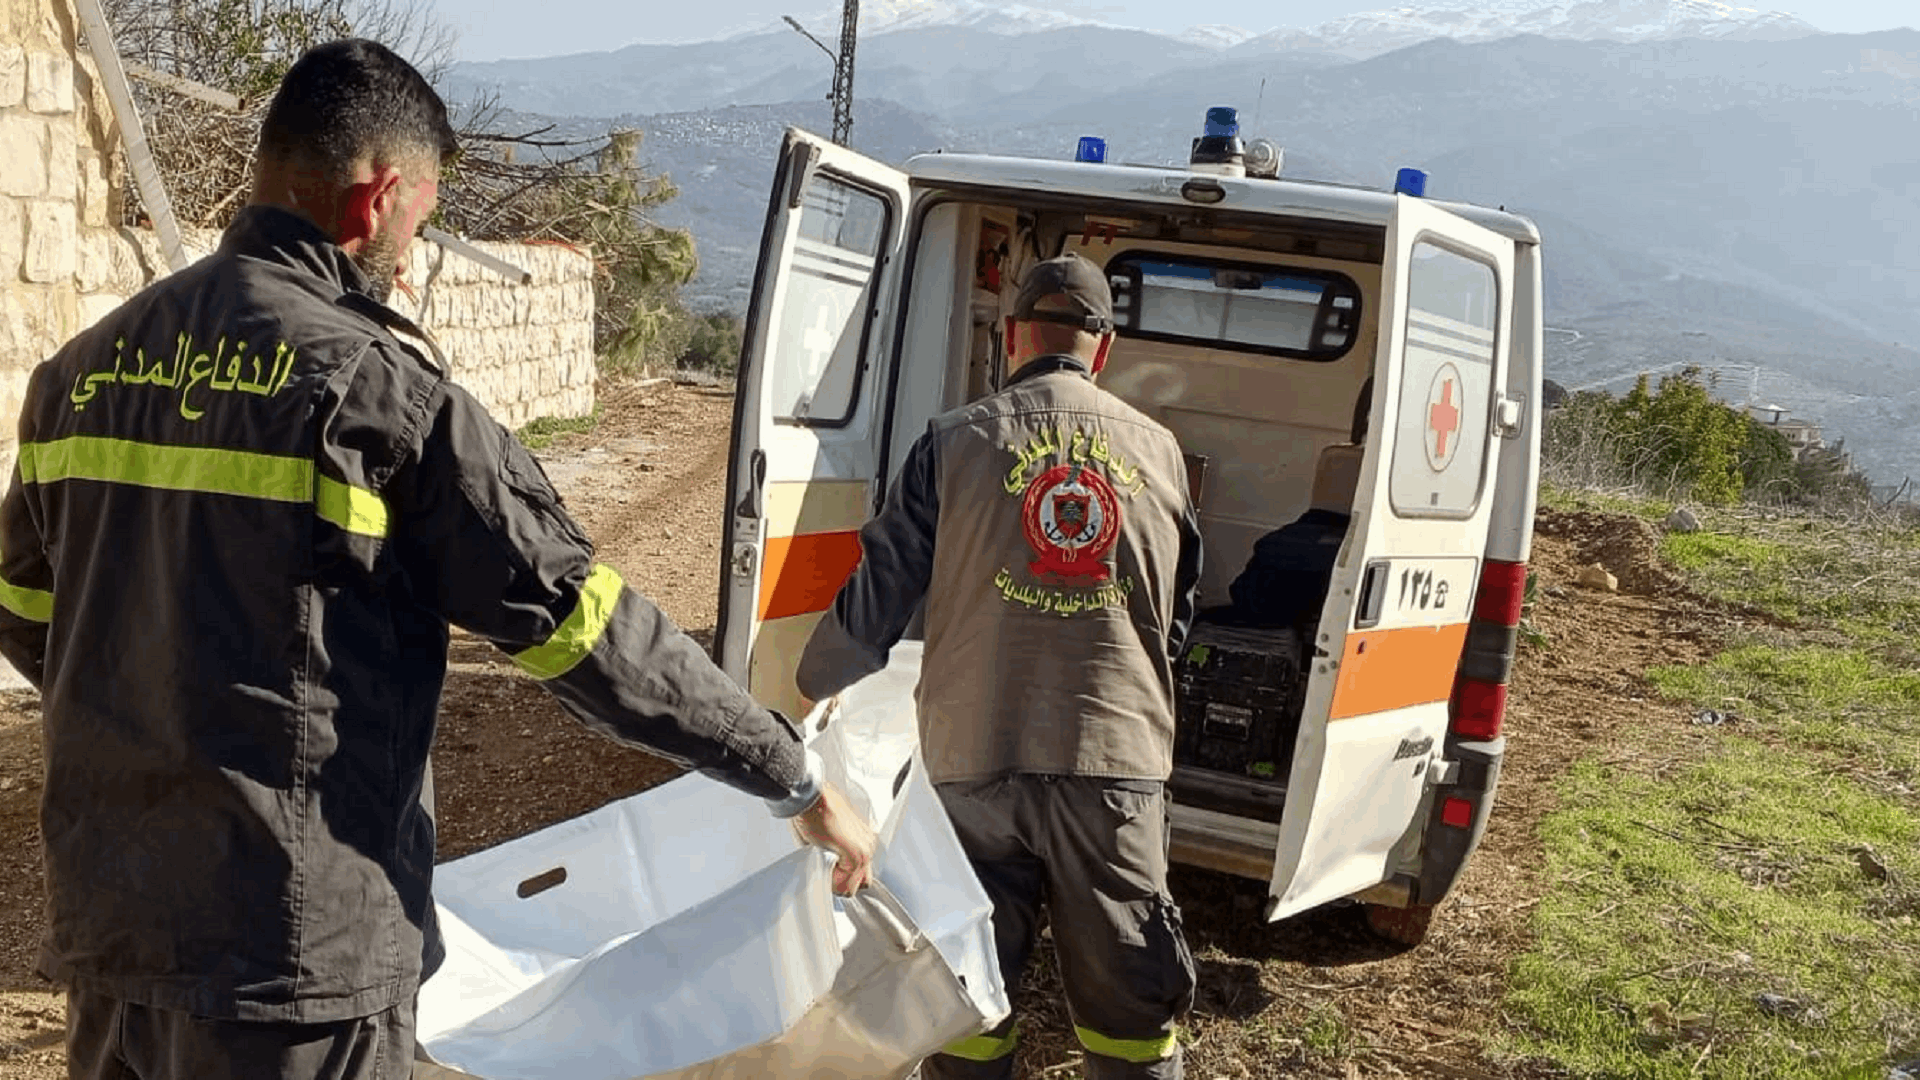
1251 340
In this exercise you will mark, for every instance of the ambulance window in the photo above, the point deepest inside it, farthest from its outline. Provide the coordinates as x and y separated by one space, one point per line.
1440 450
1281 311
815 367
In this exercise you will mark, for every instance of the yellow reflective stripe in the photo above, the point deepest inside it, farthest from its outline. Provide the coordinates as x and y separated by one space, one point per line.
356 510
34 605
172 468
1137 1051
207 471
576 637
984 1047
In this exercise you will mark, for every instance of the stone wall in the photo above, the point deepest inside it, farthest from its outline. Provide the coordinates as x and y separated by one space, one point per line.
57 151
524 351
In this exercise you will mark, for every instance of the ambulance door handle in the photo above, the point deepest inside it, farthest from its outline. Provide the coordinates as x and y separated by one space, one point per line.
1373 595
1508 414
756 483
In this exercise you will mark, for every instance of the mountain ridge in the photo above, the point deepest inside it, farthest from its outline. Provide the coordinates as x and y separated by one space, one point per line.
1731 202
1365 33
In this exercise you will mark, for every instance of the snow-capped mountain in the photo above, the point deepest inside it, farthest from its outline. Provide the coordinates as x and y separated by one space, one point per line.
1371 33
1215 35
1374 32
889 16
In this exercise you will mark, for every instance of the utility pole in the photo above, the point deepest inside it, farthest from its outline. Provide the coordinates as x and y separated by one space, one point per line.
843 73
842 94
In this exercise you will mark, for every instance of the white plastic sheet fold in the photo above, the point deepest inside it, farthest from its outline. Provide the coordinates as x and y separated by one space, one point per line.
684 933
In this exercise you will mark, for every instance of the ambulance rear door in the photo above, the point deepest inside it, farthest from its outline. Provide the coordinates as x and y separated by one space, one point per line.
807 414
1395 621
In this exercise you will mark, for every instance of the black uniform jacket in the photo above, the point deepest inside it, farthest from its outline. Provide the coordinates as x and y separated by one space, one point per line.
244 515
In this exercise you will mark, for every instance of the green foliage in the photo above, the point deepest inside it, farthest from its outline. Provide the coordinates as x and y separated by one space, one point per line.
1327 1035
1676 442
1766 461
541 432
1685 437
713 345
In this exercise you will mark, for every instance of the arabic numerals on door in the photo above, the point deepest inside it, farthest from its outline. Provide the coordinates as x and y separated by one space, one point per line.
1422 589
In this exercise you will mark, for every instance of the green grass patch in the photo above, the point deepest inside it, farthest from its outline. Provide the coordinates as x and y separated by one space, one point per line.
1861 580
1556 497
1326 1035
1849 705
540 434
1718 922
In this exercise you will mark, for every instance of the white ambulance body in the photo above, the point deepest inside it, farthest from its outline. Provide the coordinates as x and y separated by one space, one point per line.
1251 312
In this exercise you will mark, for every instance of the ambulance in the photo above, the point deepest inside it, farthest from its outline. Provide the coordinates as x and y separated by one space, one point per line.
1368 353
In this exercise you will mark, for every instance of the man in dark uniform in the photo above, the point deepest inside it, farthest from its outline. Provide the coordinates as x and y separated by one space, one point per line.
1049 531
244 515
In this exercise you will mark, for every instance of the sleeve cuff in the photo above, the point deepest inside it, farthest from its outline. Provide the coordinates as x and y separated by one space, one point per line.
804 796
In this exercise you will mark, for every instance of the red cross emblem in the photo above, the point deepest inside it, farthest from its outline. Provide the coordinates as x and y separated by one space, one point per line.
1443 417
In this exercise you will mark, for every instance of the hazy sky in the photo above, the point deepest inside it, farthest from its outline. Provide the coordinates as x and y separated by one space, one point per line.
490 29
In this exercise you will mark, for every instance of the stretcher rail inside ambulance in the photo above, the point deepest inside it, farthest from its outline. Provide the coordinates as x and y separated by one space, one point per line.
1353 375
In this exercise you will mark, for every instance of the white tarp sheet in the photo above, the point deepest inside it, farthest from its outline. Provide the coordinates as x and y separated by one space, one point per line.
693 937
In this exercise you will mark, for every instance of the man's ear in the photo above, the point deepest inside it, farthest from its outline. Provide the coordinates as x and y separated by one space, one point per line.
367 207
1100 354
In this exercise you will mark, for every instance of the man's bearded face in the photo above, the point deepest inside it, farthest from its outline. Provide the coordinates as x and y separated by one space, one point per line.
379 259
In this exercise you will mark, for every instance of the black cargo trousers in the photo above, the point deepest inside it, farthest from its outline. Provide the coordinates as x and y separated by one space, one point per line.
110 1039
1094 851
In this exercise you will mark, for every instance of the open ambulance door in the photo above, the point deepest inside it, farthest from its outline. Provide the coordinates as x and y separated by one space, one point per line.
806 424
1383 664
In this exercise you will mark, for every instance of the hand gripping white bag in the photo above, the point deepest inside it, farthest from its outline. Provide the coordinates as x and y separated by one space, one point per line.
685 933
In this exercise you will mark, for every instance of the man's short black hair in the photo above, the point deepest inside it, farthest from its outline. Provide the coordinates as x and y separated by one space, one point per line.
353 99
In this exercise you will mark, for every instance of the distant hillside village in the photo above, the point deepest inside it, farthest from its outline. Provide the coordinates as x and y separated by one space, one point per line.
1802 435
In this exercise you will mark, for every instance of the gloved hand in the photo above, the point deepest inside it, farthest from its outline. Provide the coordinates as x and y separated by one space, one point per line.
832 824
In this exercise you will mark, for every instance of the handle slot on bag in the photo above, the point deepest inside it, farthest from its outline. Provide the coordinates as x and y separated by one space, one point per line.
540 883
877 910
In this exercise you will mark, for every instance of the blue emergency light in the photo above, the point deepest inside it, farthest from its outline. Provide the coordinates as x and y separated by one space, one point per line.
1092 149
1411 182
1223 122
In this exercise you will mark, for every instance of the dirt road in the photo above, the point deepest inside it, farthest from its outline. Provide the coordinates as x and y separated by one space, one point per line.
1315 996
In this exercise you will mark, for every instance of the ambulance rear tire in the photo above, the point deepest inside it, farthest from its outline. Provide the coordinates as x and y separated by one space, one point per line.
1401 925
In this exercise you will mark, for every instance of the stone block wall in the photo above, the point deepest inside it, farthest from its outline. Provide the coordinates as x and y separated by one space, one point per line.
526 351
59 258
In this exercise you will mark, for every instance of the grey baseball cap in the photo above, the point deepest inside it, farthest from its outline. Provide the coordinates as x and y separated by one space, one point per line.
1080 283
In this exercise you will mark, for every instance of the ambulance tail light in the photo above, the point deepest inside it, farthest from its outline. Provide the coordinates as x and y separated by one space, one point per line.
1479 708
1480 690
1503 593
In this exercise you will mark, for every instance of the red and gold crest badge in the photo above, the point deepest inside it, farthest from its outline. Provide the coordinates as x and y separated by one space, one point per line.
1072 519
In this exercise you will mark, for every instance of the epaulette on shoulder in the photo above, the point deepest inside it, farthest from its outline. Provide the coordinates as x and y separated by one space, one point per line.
408 334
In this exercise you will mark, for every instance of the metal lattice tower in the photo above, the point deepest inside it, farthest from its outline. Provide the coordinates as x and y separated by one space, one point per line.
842 95
843 73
